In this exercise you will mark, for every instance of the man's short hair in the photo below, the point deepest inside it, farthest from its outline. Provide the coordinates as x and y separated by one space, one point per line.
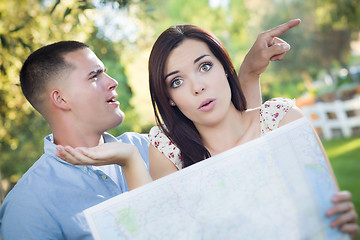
42 67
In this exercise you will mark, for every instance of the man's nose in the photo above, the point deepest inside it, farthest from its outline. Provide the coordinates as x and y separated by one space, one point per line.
112 83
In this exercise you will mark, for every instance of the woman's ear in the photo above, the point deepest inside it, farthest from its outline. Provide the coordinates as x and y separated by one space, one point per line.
58 100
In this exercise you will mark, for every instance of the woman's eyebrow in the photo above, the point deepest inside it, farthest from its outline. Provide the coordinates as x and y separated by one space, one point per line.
199 58
195 61
174 72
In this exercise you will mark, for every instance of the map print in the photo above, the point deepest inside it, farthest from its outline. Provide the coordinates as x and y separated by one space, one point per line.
274 187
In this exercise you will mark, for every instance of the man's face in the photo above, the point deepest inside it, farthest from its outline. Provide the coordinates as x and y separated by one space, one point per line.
90 93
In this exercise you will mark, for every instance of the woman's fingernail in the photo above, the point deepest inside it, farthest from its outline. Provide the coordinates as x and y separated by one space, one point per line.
285 46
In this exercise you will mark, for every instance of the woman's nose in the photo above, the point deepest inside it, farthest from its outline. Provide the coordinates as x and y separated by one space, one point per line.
198 86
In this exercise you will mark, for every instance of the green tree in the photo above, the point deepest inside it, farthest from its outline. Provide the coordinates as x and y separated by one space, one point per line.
25 26
152 17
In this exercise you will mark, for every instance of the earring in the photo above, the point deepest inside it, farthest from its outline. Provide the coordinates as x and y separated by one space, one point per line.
172 103
226 74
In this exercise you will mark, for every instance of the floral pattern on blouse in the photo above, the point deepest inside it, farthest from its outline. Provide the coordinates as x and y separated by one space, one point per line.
271 113
160 141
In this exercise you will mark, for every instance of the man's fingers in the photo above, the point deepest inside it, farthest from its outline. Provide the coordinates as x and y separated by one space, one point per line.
277 31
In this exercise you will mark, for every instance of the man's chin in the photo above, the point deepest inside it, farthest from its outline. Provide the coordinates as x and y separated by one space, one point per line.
118 121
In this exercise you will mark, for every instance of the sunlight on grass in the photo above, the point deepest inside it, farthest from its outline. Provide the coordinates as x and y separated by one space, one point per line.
340 149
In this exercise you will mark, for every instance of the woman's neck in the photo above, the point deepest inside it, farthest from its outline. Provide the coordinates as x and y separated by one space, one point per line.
236 128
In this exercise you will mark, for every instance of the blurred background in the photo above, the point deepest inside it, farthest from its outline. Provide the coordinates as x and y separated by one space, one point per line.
322 70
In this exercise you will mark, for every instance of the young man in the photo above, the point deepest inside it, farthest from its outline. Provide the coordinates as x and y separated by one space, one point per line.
67 84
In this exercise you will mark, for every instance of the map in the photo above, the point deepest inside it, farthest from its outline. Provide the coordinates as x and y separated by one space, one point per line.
274 187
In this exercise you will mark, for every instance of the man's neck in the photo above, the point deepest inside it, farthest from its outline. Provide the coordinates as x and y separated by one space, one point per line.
77 138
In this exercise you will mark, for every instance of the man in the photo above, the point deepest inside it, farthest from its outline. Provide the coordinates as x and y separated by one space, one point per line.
67 84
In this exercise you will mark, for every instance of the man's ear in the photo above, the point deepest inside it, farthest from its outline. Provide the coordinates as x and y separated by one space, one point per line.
58 100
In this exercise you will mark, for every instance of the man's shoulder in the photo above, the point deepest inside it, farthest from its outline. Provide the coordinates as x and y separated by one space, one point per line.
37 177
138 139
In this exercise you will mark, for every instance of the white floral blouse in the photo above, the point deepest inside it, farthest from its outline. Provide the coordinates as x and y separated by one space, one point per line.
271 113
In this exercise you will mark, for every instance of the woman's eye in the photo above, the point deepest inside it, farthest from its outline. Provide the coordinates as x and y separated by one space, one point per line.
205 67
176 83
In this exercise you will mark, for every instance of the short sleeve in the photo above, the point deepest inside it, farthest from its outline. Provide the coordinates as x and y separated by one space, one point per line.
272 112
161 142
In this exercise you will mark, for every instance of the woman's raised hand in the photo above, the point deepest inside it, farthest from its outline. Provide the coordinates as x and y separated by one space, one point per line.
267 47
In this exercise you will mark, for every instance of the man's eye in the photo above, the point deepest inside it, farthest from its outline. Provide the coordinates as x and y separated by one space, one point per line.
176 83
94 77
205 67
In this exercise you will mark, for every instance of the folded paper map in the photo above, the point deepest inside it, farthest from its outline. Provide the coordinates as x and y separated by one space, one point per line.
274 187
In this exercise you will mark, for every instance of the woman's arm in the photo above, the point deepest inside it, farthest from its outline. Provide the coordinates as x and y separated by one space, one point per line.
267 47
159 165
347 220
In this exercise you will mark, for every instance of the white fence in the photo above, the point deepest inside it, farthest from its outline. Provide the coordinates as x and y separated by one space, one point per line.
339 118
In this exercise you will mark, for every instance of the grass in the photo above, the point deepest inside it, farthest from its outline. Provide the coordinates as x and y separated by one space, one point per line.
344 156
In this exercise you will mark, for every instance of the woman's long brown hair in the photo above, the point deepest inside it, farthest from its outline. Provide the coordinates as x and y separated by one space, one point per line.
175 125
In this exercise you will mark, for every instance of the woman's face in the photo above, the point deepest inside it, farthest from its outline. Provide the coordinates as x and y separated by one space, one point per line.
197 83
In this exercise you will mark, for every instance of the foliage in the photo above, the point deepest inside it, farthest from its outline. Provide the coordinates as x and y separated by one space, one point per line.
318 44
25 26
152 17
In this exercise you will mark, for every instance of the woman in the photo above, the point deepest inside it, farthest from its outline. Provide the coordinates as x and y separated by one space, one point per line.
201 110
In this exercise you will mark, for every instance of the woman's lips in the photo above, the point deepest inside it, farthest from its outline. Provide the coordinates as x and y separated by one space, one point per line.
207 105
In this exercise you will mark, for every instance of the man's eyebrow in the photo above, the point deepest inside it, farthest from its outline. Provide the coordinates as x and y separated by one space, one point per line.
174 72
97 71
199 58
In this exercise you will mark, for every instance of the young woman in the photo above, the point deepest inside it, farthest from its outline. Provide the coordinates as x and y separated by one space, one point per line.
201 109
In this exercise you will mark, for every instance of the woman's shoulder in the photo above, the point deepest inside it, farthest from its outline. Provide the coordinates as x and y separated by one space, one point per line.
278 103
273 111
162 143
